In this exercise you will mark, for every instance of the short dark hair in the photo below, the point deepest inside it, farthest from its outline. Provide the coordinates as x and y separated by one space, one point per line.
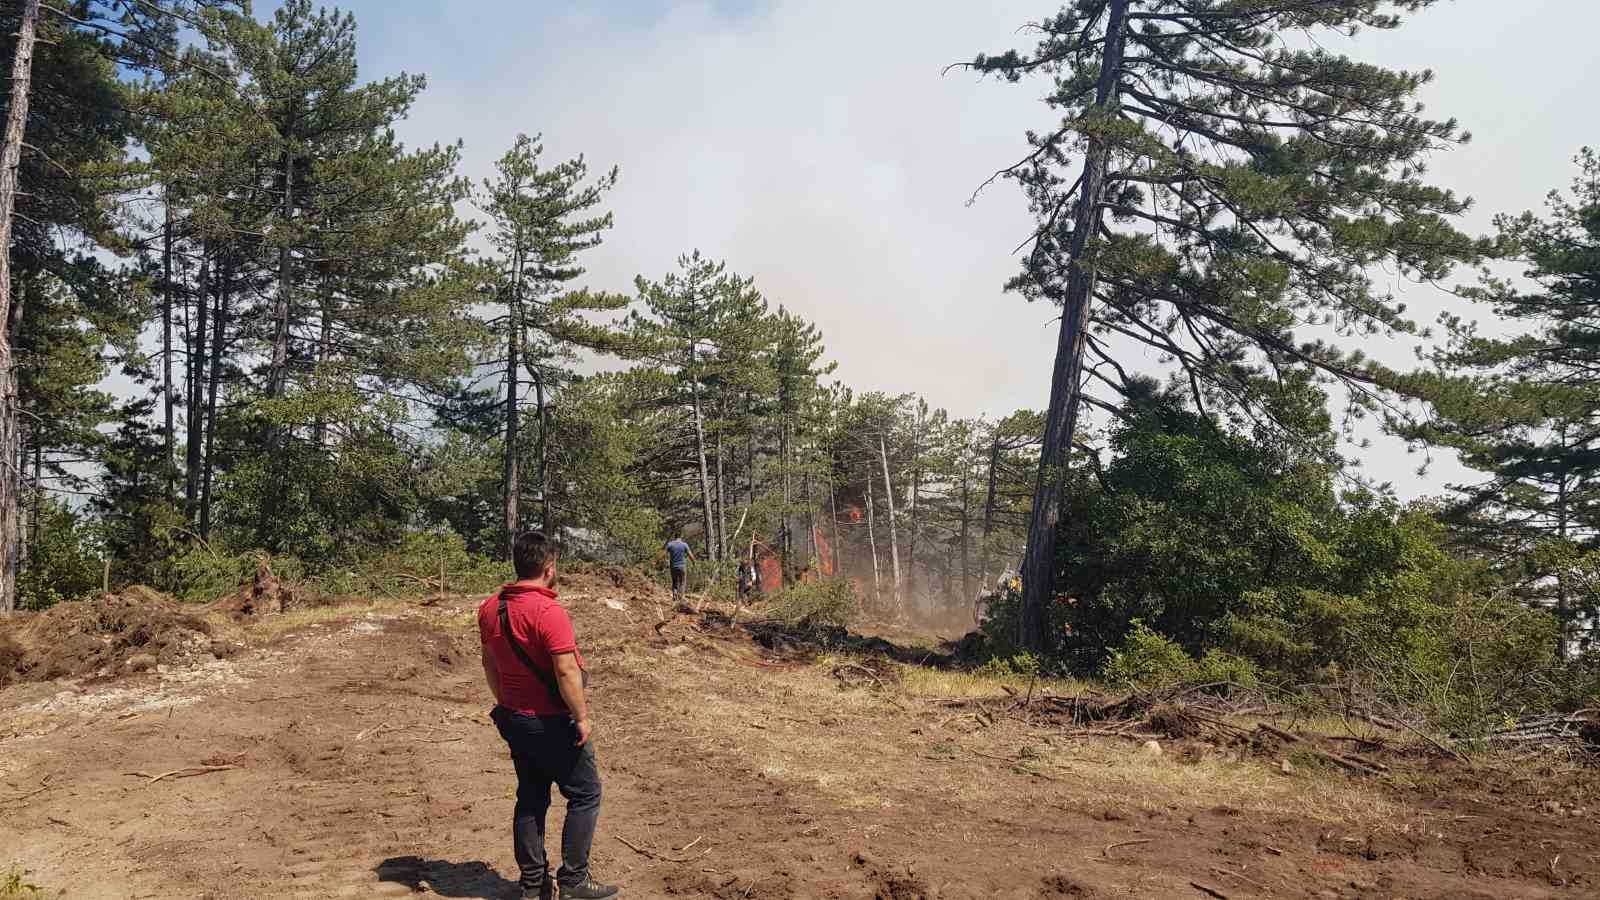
532 552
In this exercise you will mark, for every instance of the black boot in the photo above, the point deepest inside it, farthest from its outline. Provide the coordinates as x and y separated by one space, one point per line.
589 889
546 891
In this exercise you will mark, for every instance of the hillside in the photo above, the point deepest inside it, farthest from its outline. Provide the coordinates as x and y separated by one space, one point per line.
345 751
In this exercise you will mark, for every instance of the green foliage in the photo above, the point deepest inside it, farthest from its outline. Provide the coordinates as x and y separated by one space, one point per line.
200 574
62 562
1020 665
810 604
1518 403
1218 541
138 519
1149 660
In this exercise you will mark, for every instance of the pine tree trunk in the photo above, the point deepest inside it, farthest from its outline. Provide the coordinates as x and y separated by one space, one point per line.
10 439
278 367
786 544
1562 611
319 428
700 455
988 508
196 383
966 528
894 535
510 482
167 399
38 500
872 541
916 504
833 508
1061 420
811 521
542 452
219 324
722 504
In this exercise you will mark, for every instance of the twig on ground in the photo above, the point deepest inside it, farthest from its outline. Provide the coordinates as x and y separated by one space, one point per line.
854 667
1209 891
20 797
185 772
1231 874
659 856
1110 847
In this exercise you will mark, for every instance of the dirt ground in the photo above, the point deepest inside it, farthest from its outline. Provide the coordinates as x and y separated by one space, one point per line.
347 752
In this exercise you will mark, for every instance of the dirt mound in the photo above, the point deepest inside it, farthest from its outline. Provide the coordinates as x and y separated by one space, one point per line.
131 631
265 594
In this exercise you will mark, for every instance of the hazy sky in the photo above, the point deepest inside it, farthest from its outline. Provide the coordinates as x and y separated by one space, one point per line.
815 145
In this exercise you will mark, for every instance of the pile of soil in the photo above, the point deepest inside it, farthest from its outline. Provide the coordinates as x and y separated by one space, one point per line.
265 594
131 631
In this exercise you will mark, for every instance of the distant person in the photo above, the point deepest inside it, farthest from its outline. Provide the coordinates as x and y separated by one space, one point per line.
749 573
678 557
534 670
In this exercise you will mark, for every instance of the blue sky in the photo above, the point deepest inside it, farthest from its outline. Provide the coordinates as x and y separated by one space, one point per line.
815 145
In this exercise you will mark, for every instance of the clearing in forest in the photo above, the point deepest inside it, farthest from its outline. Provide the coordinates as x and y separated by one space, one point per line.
346 751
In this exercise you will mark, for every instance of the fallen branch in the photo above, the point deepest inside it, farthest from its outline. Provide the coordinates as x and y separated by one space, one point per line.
659 856
1210 891
1107 851
1352 763
185 772
20 797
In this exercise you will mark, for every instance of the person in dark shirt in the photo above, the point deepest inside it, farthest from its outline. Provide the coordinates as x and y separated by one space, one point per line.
536 673
678 557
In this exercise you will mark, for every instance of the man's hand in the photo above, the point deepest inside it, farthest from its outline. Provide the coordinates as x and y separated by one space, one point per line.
584 728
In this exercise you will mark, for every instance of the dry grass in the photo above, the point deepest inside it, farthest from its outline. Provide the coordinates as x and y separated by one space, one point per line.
275 625
867 748
919 681
13 886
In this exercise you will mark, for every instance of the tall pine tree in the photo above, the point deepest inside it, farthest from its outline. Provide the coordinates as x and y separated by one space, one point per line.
1207 190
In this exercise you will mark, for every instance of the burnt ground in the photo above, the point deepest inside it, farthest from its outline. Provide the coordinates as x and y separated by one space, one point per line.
348 752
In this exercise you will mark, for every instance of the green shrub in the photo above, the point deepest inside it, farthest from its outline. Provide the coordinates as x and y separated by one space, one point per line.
830 601
62 563
1218 665
1019 665
200 574
1147 659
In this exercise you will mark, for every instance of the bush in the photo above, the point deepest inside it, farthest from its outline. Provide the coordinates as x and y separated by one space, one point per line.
1021 665
62 564
830 601
200 574
1217 665
1147 659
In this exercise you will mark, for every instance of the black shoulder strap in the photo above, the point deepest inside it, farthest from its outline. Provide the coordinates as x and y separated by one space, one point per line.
548 678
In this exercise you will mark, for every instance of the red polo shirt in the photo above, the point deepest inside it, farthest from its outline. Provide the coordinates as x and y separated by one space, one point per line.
543 629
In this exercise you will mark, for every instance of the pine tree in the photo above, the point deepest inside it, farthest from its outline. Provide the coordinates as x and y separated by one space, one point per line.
366 323
1525 409
701 323
55 181
1229 188
543 220
797 367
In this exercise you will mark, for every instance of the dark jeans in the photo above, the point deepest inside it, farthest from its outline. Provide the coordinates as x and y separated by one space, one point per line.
677 580
542 749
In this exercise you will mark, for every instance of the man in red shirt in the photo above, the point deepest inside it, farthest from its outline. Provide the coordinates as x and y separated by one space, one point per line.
534 670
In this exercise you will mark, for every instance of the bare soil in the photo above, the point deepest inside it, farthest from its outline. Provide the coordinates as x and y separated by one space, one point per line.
347 752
